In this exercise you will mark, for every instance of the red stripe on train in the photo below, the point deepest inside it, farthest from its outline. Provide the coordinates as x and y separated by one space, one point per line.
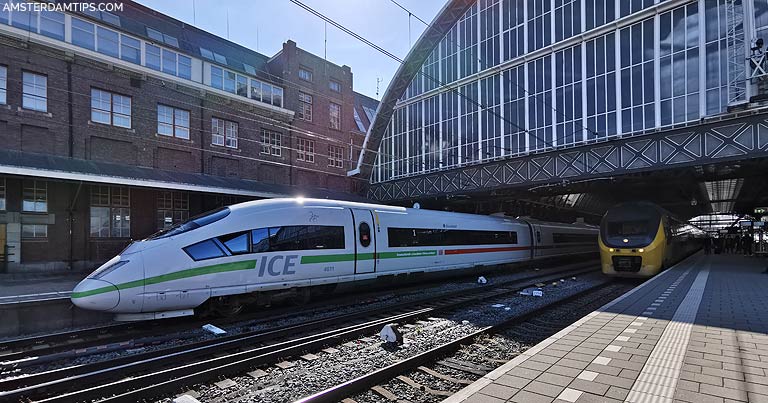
483 250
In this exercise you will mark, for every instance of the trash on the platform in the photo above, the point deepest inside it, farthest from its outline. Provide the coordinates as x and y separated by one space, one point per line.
573 278
497 305
213 329
507 309
464 322
538 293
482 280
390 334
562 280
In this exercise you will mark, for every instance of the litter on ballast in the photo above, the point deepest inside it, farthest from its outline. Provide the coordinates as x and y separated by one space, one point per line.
482 280
538 293
390 334
497 305
213 329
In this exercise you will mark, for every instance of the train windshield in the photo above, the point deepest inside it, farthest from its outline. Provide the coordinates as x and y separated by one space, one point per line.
627 228
192 223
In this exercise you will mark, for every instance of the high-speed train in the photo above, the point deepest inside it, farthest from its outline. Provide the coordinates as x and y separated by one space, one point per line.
256 251
639 239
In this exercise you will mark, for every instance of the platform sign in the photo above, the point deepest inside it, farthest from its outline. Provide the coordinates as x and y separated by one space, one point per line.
761 210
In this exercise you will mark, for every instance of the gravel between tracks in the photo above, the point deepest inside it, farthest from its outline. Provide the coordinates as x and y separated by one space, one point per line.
193 335
368 354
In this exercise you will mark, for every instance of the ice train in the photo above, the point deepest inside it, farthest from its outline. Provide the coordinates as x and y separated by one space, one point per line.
257 251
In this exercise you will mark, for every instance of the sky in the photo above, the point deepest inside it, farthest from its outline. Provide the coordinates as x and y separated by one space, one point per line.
276 21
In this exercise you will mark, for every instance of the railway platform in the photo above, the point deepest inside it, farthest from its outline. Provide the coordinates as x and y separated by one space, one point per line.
696 333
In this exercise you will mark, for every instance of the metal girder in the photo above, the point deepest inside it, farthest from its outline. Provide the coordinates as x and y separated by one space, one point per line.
740 137
445 20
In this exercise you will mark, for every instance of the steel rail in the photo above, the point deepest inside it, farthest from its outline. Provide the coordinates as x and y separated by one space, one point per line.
163 379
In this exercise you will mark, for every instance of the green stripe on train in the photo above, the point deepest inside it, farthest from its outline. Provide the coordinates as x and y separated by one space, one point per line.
198 271
246 265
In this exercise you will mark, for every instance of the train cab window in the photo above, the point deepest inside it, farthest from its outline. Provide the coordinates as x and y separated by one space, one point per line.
207 249
260 240
237 243
193 223
365 234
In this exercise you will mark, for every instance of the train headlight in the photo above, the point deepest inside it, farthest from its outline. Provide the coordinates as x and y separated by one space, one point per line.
611 250
625 240
641 250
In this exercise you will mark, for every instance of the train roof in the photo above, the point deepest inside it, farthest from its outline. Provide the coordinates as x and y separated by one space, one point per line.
299 201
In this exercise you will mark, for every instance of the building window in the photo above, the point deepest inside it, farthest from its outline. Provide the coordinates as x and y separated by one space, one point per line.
3 84
152 57
35 197
130 49
305 74
110 109
271 143
83 34
108 42
358 121
35 95
2 194
172 122
110 212
305 106
52 24
305 150
172 208
224 133
185 67
334 85
34 231
335 156
335 116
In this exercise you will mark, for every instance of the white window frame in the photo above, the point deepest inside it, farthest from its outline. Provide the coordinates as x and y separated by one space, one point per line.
334 121
335 156
305 101
111 111
271 143
35 85
305 150
224 133
173 125
306 74
39 231
3 85
38 189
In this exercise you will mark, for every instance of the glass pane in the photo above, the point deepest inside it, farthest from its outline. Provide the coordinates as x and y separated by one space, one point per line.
236 243
260 240
130 49
152 57
108 42
82 34
204 250
51 24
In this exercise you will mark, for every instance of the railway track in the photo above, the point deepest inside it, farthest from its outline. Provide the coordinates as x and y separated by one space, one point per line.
428 375
161 371
32 350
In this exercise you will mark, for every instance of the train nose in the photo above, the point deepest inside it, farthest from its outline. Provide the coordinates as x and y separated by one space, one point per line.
95 295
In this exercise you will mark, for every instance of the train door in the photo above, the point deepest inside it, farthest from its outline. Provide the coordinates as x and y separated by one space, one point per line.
365 242
538 247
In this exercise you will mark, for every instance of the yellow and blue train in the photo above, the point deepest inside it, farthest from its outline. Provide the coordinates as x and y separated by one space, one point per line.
640 239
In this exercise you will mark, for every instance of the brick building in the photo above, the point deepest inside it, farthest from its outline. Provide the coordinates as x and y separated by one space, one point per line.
117 125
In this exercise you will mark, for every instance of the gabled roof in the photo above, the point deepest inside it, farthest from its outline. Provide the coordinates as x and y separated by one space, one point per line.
365 108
